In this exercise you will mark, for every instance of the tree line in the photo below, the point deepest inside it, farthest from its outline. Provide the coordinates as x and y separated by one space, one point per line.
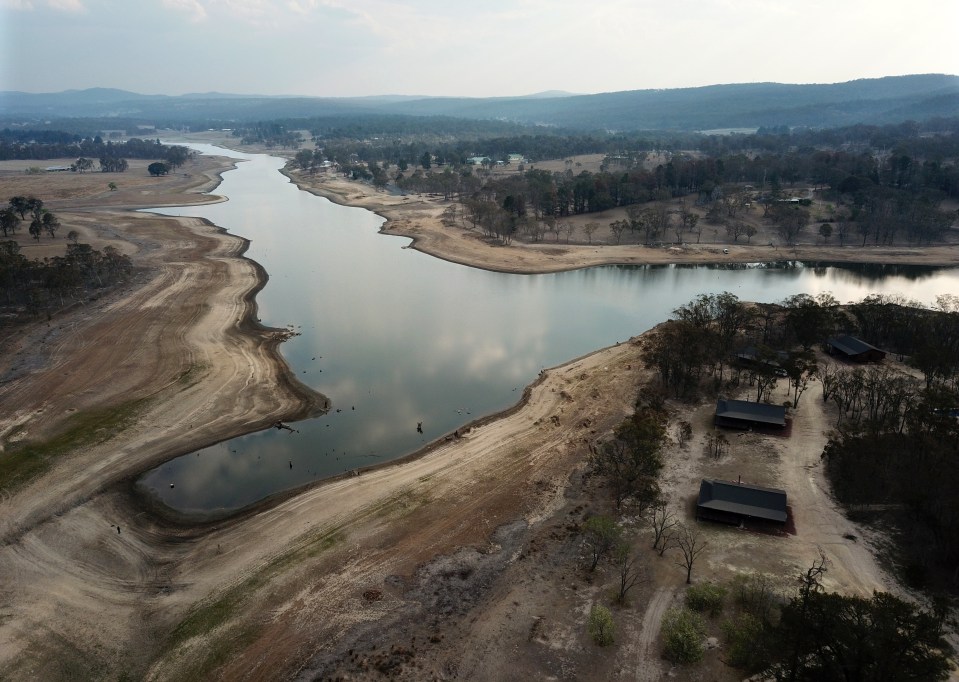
695 351
112 156
31 286
880 198
895 448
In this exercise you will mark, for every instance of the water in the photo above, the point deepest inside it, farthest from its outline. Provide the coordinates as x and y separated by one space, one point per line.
394 337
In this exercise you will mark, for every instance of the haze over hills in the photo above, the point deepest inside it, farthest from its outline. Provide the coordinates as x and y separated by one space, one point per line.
880 100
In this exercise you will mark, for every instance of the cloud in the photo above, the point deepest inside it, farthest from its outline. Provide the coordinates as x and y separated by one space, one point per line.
74 6
194 8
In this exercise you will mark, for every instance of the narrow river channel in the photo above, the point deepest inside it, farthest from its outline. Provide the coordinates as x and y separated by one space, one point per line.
396 338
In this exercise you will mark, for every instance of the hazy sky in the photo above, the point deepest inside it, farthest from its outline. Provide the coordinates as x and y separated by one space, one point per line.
456 47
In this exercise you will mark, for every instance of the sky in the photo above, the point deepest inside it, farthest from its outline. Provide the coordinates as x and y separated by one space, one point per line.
482 48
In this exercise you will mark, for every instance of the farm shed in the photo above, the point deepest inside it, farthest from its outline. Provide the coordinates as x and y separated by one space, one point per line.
742 414
735 503
851 348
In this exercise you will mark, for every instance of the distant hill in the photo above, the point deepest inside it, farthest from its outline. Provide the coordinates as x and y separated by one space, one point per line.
877 100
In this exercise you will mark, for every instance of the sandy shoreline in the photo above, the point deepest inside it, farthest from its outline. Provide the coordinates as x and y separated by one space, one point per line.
418 217
90 580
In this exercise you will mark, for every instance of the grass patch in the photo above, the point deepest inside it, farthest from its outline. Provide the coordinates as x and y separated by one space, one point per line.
208 617
51 656
192 375
22 462
400 503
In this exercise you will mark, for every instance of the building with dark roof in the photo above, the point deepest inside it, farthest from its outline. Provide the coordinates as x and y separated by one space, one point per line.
736 503
851 348
742 414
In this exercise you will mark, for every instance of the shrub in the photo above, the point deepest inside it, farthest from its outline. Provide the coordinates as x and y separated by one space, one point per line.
706 598
756 595
600 625
745 643
683 632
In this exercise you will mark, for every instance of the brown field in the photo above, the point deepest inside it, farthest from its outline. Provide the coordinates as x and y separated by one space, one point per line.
463 562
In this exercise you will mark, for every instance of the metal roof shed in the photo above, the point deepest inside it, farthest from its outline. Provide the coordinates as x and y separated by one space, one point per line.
855 349
742 414
729 502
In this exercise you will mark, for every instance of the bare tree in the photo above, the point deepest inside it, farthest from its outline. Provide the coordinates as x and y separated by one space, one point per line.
828 375
568 229
809 582
716 444
449 215
553 228
662 521
735 229
691 545
534 230
589 229
629 569
617 227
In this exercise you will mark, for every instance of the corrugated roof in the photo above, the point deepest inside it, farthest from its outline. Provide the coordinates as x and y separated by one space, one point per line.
743 499
850 345
744 410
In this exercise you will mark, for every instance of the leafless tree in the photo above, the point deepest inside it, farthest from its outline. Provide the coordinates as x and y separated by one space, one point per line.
716 444
662 521
735 229
828 375
553 228
691 545
630 571
589 229
617 227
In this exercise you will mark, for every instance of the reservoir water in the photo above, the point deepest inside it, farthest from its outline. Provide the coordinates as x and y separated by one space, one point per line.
395 337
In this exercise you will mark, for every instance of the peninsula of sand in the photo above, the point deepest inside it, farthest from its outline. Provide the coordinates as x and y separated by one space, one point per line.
455 563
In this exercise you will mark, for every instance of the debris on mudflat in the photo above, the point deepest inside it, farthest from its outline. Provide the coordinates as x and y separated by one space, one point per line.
280 425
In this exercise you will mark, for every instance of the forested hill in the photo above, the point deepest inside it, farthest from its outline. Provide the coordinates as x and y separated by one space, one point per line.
881 100
884 100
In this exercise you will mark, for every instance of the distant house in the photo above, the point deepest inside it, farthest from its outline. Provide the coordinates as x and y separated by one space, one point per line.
851 348
516 159
742 414
478 160
736 503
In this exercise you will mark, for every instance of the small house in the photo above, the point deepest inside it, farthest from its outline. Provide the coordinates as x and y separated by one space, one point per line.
742 414
851 348
738 503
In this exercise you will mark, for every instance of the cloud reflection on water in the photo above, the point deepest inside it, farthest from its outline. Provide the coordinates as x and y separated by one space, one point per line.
404 337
